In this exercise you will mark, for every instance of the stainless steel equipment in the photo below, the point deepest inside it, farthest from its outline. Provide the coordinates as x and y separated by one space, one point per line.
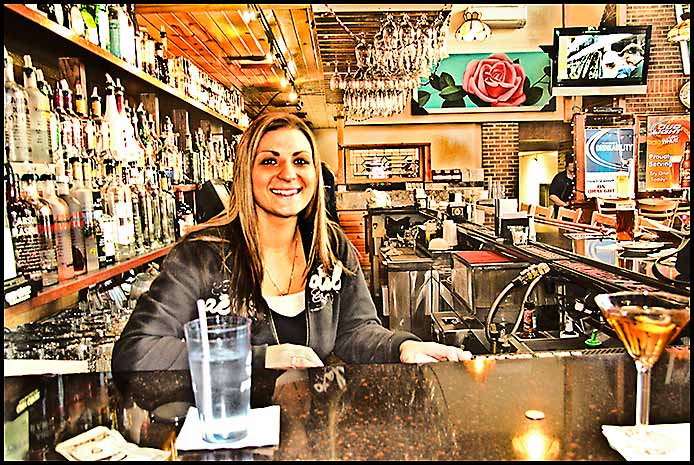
478 276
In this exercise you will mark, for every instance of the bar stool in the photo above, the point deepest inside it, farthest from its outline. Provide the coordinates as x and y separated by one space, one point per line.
543 212
569 214
662 210
601 219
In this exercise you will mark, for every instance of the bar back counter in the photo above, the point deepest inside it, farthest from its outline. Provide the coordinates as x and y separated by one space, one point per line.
477 410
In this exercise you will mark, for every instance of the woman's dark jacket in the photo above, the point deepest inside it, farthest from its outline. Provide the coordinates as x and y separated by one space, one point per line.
342 316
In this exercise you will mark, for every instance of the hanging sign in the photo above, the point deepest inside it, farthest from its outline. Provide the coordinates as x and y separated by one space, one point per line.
610 166
664 149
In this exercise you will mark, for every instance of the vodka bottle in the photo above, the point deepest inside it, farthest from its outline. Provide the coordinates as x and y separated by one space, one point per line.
54 144
104 227
137 209
168 209
16 116
119 206
84 196
79 251
61 218
23 224
46 231
184 216
39 116
153 207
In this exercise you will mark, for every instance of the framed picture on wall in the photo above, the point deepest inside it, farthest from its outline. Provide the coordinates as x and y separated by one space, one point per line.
487 82
680 10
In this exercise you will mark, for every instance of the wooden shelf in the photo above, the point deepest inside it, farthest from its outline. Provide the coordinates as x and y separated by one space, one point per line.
76 42
62 289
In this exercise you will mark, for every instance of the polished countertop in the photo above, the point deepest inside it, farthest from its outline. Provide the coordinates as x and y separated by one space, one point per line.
610 251
474 410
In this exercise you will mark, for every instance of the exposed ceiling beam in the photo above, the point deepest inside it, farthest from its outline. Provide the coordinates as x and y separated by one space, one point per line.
150 8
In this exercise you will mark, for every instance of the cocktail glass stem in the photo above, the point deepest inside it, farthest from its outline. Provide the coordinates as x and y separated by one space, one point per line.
643 393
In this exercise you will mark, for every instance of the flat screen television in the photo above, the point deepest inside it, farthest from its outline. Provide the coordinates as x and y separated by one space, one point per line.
600 61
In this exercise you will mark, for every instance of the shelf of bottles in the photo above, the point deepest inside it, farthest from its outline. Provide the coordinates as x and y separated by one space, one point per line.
110 32
91 193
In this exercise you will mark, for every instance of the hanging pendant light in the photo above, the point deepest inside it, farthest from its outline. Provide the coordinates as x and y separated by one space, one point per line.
472 28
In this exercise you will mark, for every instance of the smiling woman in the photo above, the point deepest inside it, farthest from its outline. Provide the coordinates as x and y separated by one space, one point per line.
274 257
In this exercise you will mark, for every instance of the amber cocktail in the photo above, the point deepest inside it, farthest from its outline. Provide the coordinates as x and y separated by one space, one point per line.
645 322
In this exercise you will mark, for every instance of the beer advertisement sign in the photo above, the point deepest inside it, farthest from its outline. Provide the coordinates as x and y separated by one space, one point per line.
665 142
610 167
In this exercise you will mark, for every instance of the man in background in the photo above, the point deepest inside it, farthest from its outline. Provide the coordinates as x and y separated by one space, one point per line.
330 196
633 55
561 190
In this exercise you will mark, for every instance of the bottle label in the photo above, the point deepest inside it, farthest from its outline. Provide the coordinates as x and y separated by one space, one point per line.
27 248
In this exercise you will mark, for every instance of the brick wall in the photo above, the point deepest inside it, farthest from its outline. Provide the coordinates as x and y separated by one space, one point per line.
665 75
500 155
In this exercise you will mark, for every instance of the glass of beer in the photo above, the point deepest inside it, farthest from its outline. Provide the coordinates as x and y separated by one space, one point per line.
645 322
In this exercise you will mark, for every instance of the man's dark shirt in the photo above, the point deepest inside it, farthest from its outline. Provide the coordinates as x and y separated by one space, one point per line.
563 187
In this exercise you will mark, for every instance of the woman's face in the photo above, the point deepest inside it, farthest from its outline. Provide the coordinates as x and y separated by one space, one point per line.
283 175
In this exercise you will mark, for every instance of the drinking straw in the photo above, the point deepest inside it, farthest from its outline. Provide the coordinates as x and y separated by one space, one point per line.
206 377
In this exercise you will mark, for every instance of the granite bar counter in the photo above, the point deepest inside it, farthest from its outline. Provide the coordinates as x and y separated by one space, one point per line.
472 410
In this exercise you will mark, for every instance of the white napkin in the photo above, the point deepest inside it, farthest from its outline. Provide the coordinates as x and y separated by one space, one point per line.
263 430
677 435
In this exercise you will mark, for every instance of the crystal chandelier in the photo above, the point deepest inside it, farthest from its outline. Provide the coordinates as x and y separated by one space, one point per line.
391 67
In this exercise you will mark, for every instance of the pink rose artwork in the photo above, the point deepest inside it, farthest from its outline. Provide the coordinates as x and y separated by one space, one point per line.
496 80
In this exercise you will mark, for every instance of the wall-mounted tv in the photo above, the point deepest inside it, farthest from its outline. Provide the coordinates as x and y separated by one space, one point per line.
600 61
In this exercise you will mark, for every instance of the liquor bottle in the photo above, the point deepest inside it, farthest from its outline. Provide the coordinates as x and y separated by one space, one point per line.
88 12
111 117
102 25
39 116
104 227
23 224
9 269
529 322
66 14
84 196
16 116
53 120
49 10
79 252
77 21
184 216
168 209
152 210
119 206
137 209
67 148
95 104
61 219
114 24
46 229
684 170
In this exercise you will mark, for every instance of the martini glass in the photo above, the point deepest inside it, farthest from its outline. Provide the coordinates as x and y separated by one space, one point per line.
645 322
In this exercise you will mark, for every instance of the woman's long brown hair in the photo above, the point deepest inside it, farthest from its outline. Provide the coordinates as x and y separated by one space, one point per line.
241 207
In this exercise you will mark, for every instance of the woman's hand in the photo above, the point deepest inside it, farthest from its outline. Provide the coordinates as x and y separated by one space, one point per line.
425 352
285 356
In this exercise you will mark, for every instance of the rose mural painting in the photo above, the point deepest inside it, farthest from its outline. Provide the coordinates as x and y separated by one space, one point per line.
482 82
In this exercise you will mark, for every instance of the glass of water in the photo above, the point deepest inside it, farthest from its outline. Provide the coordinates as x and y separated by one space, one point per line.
220 367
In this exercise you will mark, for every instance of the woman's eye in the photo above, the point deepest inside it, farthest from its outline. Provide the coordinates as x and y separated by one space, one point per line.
268 161
302 161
